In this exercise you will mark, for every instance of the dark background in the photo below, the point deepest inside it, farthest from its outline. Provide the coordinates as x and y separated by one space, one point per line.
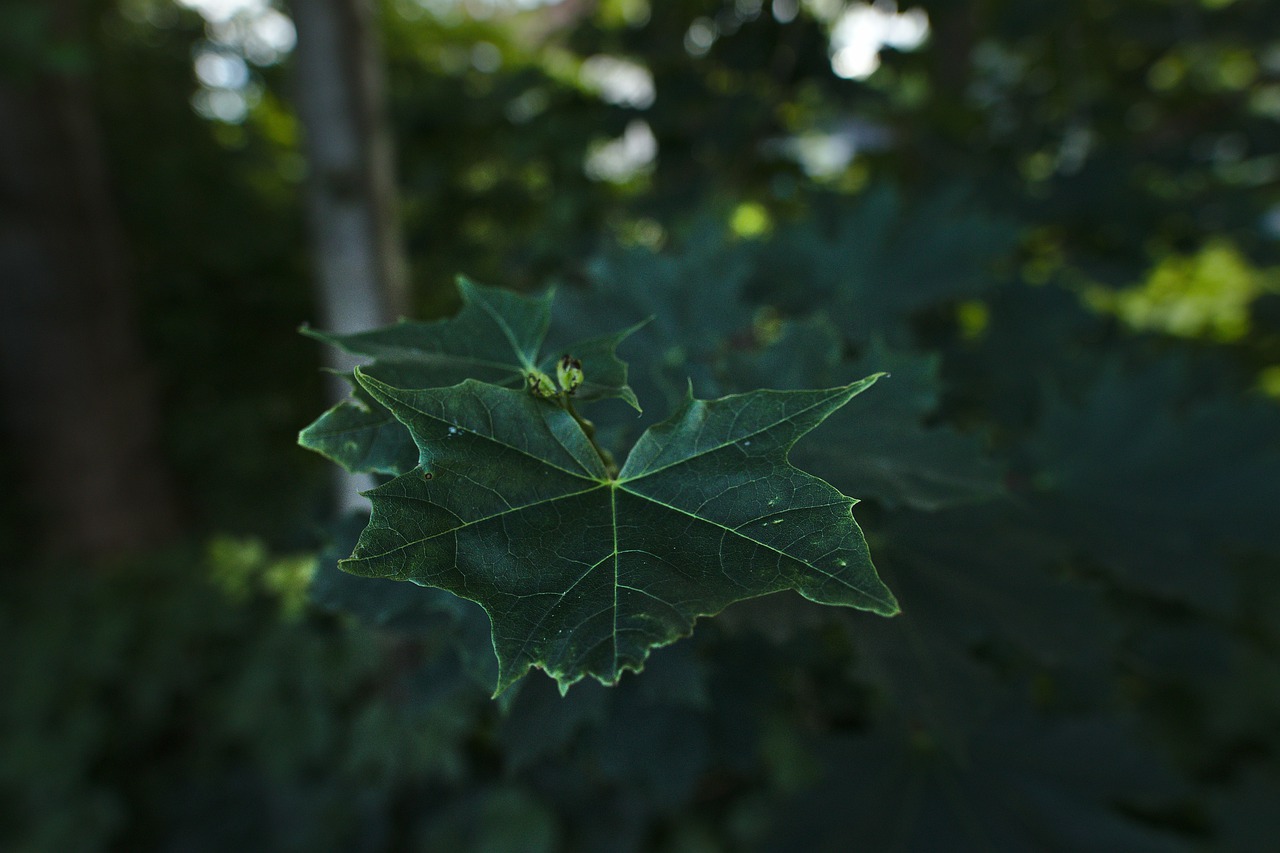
1056 225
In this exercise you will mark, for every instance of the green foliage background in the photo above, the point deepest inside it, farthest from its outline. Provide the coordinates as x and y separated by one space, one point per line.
1071 480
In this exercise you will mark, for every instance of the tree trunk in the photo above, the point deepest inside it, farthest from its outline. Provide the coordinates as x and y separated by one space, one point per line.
358 259
79 407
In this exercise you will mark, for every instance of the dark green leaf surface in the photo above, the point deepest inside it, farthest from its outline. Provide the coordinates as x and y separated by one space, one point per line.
583 574
1161 492
1021 783
975 586
647 736
883 450
882 258
496 337
706 335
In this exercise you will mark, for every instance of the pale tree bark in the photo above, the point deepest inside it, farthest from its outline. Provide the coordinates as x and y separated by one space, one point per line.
79 406
357 256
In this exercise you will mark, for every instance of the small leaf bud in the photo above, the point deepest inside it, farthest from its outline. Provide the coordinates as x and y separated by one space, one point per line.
569 373
540 385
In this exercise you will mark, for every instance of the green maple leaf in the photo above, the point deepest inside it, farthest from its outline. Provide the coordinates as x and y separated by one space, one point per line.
497 337
583 573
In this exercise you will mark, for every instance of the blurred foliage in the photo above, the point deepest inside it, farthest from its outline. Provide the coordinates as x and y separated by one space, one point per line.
213 214
1058 231
153 710
1205 295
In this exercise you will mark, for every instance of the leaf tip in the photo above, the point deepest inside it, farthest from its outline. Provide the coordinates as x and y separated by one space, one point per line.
376 388
507 677
853 389
631 330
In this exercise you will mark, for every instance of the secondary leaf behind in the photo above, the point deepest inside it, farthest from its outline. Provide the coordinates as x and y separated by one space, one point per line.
497 337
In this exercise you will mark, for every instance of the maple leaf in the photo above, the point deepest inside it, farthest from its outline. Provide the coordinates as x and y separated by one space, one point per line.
584 573
497 337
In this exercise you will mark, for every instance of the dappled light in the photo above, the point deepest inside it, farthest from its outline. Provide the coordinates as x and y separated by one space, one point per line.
862 30
622 159
618 81
238 33
1206 295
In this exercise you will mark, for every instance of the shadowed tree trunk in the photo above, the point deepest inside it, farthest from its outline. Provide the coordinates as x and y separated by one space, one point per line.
79 409
357 256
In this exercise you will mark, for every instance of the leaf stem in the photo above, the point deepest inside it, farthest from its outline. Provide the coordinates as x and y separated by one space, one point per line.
589 430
